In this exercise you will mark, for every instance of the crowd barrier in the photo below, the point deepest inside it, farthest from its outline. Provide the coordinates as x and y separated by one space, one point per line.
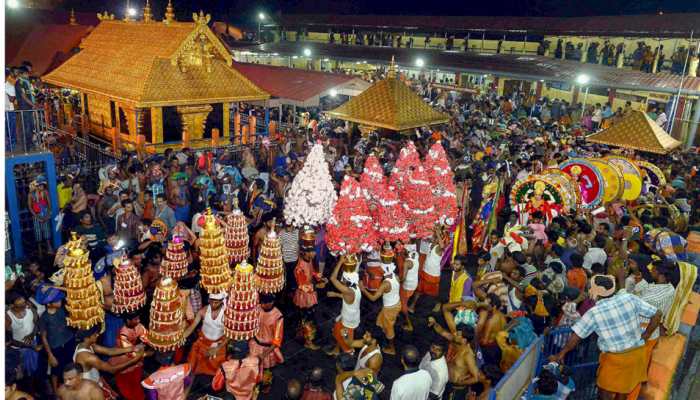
517 380
583 362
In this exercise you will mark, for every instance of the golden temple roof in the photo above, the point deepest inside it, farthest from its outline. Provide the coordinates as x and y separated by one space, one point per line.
389 104
155 64
636 131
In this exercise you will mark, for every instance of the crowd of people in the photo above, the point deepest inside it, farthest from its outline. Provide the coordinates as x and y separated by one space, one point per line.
452 318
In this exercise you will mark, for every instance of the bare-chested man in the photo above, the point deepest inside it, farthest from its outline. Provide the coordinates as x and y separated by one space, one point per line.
76 388
491 322
461 358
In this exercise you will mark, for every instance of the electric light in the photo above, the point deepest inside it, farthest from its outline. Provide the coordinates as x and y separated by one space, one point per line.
420 62
583 79
13 3
333 92
307 52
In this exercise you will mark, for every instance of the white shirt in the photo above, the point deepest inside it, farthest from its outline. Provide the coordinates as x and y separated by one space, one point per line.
350 312
438 373
594 255
661 120
411 281
413 386
392 297
432 262
9 92
213 329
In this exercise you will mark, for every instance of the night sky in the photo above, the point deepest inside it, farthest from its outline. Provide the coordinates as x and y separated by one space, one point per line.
244 11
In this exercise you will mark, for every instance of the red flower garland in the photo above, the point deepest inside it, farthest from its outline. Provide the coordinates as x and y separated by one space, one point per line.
441 178
351 228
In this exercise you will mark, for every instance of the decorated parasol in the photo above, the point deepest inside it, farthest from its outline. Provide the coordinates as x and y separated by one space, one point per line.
568 187
631 174
614 185
589 179
652 176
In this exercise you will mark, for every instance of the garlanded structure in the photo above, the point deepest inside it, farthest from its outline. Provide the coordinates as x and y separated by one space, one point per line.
174 265
164 81
408 159
166 327
236 237
311 198
128 288
242 314
351 228
269 274
441 179
389 104
215 271
417 197
83 299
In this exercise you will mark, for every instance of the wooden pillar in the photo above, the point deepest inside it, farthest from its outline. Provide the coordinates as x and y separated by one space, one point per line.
574 96
226 125
156 125
185 136
677 119
141 146
611 97
237 127
252 120
244 134
272 128
116 139
215 137
538 90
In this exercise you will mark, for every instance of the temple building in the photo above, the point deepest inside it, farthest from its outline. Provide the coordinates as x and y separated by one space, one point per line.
155 83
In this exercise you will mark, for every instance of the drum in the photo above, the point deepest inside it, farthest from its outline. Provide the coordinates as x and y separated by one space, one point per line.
614 181
373 277
631 175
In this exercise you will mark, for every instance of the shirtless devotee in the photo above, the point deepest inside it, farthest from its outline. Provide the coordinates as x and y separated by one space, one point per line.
75 387
370 355
349 318
86 355
491 321
461 358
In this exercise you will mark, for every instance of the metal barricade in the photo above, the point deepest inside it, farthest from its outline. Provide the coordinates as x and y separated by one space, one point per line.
516 381
583 361
24 131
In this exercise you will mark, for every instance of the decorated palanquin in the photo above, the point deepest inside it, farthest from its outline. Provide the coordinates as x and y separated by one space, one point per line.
153 82
389 104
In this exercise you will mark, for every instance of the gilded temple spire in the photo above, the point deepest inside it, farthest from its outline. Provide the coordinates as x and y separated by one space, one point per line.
72 20
105 16
391 73
147 16
169 13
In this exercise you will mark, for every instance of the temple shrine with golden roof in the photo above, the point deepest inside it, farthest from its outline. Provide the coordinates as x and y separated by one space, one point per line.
389 104
154 82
